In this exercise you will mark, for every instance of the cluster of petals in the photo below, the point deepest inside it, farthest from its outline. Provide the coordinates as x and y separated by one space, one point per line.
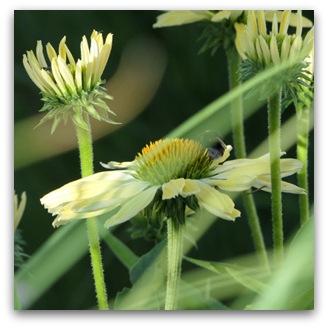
68 79
120 189
270 49
71 88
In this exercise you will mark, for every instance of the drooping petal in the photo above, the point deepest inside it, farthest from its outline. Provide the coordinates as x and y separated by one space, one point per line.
241 174
180 17
172 188
190 188
235 14
116 165
264 183
85 188
67 212
235 183
216 202
222 14
182 187
132 207
120 193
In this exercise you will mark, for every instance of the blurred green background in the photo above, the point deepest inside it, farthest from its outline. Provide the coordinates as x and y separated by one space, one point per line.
158 81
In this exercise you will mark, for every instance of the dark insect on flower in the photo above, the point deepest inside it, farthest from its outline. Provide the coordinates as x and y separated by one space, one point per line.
215 146
48 69
217 149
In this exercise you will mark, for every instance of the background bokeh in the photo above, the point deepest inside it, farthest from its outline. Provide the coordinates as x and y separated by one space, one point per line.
158 81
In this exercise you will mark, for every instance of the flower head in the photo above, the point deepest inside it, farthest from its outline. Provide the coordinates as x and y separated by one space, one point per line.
261 50
168 177
220 26
71 88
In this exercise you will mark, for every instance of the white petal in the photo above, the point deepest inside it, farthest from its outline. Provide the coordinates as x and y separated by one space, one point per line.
222 14
235 183
113 196
216 202
265 184
116 165
132 207
68 213
85 188
180 17
190 188
172 188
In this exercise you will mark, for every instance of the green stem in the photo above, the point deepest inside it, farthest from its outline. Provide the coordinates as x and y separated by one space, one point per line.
302 155
234 61
174 256
17 305
86 156
274 113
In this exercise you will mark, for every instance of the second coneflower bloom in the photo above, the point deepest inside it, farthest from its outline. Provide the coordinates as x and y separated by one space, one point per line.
168 177
261 50
70 89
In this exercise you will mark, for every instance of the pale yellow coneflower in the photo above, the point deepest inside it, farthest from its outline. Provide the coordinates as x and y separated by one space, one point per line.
71 88
167 177
261 49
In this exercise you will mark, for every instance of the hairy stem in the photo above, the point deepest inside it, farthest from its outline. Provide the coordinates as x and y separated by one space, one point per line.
86 157
274 113
174 255
234 61
302 155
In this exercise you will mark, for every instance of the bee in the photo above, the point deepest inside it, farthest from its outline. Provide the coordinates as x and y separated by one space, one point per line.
217 149
47 69
215 146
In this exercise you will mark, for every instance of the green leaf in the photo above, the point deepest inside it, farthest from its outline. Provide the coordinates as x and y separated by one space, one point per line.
303 302
148 279
190 298
233 271
292 285
146 261
121 251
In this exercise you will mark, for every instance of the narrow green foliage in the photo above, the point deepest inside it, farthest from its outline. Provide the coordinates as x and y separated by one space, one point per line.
240 274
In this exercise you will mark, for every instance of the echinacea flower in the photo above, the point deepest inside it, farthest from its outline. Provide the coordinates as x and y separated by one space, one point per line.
261 50
71 89
220 26
168 177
